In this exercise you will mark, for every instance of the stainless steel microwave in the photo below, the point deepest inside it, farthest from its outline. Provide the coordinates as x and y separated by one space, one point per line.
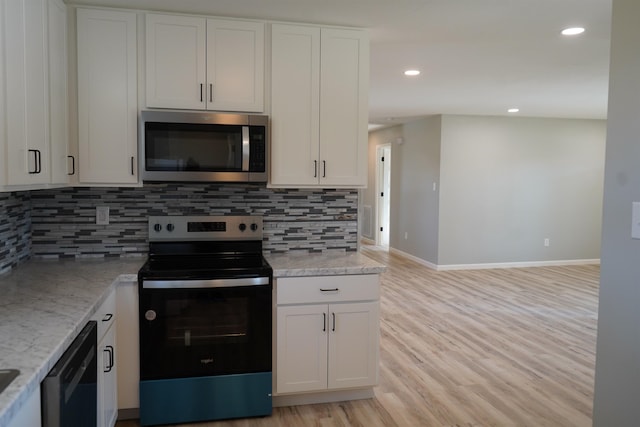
203 146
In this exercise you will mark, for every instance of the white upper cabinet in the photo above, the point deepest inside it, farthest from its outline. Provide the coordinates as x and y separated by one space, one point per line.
61 164
176 65
107 97
27 92
295 105
344 109
319 103
198 63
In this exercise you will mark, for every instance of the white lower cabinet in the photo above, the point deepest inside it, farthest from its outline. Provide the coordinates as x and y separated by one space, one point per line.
107 375
327 333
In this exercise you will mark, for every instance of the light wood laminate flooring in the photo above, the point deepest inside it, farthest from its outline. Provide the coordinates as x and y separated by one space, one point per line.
502 347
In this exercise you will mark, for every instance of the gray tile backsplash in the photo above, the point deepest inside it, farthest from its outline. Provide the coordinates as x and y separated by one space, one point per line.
15 229
63 220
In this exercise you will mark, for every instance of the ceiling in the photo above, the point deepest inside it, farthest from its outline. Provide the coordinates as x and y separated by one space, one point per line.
476 57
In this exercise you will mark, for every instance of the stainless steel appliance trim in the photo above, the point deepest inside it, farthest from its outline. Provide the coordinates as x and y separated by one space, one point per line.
209 283
245 148
186 116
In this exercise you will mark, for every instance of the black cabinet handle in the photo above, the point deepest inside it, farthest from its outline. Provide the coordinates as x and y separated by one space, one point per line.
201 95
37 161
210 92
333 328
324 322
107 317
73 165
109 350
329 290
324 168
315 168
132 161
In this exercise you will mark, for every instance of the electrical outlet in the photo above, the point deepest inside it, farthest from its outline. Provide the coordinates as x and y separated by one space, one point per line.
546 242
102 215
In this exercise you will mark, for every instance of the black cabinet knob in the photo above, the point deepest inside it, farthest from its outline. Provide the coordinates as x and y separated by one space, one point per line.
157 227
242 226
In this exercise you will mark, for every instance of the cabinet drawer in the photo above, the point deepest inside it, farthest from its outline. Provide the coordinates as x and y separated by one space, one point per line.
321 289
106 315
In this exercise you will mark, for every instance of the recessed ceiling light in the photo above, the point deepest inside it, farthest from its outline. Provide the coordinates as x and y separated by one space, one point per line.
412 72
574 31
513 110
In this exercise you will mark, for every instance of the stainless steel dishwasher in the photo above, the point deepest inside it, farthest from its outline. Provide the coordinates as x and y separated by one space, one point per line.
69 391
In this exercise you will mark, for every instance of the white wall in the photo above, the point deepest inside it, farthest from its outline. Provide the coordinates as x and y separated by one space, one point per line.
617 382
508 183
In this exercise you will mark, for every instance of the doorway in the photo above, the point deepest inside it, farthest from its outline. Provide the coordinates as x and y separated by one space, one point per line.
383 193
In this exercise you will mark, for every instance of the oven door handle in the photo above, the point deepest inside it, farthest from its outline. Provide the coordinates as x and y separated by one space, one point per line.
209 283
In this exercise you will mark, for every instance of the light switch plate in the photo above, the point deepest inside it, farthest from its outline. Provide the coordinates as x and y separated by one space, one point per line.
635 220
102 215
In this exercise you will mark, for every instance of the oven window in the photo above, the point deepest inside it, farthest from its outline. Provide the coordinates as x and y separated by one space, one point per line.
204 332
200 323
193 147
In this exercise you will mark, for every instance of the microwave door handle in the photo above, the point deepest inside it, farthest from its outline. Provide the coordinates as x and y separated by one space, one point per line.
245 148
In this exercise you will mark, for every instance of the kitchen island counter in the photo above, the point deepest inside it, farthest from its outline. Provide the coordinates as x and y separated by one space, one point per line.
322 264
44 304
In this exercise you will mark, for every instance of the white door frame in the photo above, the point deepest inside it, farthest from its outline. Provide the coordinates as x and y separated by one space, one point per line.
383 185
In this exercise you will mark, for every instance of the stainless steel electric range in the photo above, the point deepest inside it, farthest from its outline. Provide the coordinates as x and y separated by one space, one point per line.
205 320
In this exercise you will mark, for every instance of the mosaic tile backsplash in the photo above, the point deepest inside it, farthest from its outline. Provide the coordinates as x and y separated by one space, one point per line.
63 220
15 229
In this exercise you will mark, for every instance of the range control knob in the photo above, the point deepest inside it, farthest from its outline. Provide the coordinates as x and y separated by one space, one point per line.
170 227
254 226
157 227
242 226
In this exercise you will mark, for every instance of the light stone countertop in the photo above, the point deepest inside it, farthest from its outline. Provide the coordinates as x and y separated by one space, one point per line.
43 307
322 264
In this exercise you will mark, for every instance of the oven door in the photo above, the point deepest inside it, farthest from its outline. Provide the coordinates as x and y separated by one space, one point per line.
195 328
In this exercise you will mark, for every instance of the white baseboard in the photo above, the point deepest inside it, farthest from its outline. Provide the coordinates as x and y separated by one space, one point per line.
486 266
367 241
413 258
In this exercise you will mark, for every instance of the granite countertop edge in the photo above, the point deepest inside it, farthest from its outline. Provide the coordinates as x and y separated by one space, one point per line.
310 264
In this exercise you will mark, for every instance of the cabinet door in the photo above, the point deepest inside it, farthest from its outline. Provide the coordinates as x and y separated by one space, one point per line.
107 380
58 99
107 97
344 107
235 65
295 104
301 348
27 95
176 61
353 345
